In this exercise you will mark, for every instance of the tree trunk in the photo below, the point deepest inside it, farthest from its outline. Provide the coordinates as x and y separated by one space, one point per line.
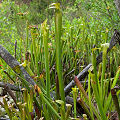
117 3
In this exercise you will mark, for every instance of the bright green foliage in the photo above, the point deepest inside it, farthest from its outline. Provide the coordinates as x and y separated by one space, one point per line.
58 48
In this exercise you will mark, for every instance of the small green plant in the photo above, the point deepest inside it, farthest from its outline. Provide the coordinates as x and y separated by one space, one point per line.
74 91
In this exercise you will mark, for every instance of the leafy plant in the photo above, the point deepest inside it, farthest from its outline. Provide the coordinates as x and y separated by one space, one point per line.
52 52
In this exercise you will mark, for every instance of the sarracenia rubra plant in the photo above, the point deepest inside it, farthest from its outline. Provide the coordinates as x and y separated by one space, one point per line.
45 31
58 30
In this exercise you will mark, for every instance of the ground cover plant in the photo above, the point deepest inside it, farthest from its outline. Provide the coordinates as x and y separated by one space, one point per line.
43 63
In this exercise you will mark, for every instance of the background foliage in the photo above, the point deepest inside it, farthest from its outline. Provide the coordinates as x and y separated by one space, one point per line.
85 24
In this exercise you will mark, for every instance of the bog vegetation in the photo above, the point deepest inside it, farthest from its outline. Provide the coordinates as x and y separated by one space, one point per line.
54 41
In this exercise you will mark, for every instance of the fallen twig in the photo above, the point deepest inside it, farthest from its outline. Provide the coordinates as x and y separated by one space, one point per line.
12 87
15 65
